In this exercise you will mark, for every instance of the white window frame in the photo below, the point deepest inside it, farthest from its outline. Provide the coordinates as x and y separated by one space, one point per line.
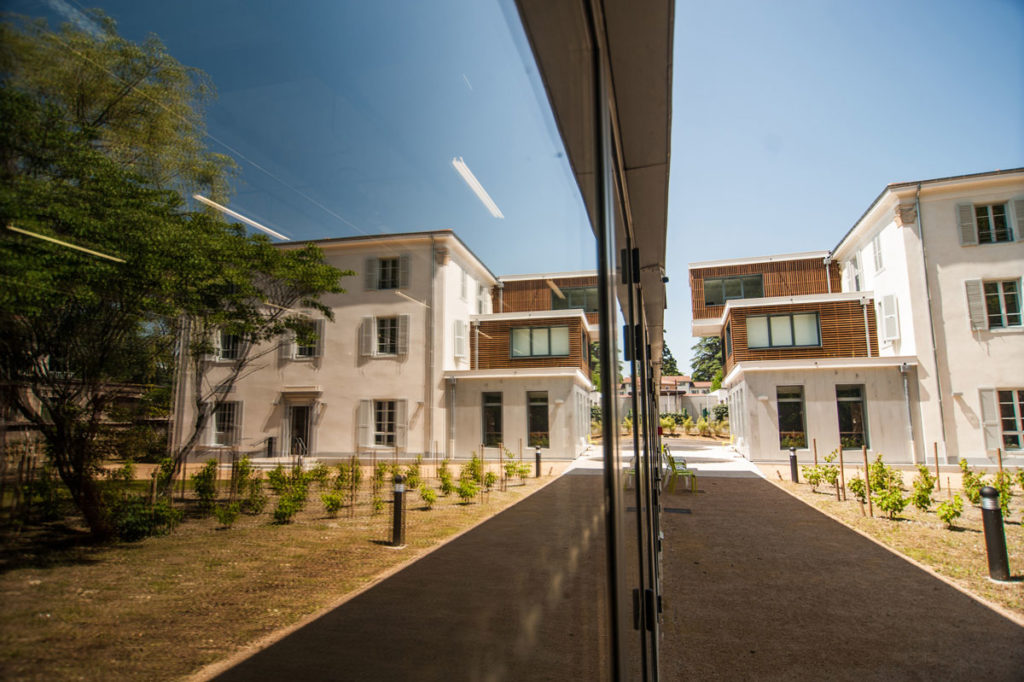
373 272
369 337
220 347
888 316
219 437
463 285
977 304
876 246
368 433
1016 403
461 339
967 222
534 332
291 350
792 330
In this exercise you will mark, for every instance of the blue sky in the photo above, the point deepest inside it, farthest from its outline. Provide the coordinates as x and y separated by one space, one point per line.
789 117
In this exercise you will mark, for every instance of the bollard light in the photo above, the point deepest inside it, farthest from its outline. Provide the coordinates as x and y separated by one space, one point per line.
398 525
537 458
793 473
995 535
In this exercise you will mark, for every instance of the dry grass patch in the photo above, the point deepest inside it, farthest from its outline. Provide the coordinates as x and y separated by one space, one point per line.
166 606
957 554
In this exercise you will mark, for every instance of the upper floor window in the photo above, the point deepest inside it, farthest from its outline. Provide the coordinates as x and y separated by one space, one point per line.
226 423
783 331
309 342
988 223
530 342
229 346
384 336
876 250
888 314
387 273
718 290
461 343
575 297
994 305
463 284
854 267
481 300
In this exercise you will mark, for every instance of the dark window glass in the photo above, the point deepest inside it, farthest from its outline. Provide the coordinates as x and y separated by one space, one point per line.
492 419
387 335
384 422
388 273
718 290
853 431
1011 417
230 346
584 298
537 419
992 224
303 350
792 430
299 430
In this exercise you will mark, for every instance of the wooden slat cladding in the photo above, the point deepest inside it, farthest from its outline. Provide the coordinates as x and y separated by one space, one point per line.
496 346
781 278
842 332
534 294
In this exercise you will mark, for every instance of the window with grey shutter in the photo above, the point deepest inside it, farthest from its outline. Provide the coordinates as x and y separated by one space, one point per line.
965 221
460 339
401 425
286 345
403 272
989 417
1018 217
976 304
321 329
890 318
366 337
370 274
364 418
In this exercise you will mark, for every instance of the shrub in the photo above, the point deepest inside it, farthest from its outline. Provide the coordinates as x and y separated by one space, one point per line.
474 469
891 501
972 482
882 477
428 495
490 478
1020 478
288 505
447 483
830 470
720 411
595 414
204 482
688 425
332 503
413 479
256 499
277 479
668 424
812 475
525 469
923 486
378 504
227 514
467 489
133 519
46 488
858 488
703 428
1004 484
511 465
343 478
950 511
627 425
380 474
320 474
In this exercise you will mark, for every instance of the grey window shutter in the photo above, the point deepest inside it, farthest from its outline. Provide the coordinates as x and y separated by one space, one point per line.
403 334
366 345
365 418
989 417
321 327
890 318
1018 215
370 274
236 416
286 345
976 304
403 272
965 219
401 426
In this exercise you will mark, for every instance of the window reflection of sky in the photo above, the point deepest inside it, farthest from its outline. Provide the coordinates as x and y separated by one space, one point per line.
344 118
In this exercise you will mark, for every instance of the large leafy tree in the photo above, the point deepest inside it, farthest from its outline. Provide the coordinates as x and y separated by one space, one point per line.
669 367
83 163
707 358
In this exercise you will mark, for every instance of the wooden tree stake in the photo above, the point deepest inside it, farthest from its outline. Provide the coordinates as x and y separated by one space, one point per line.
935 447
842 475
867 480
814 443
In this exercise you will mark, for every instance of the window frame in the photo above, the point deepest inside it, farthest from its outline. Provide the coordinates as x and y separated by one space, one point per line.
801 401
876 245
792 330
1000 294
533 400
391 343
1016 403
489 401
725 299
533 355
589 293
990 219
861 398
228 352
230 437
390 406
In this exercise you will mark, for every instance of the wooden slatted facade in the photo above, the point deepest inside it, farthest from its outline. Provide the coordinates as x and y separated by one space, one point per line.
841 327
780 278
496 346
534 294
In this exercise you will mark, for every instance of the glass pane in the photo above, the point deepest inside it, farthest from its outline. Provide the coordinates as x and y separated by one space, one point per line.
790 392
757 332
848 392
560 341
782 334
753 287
540 341
733 288
713 294
537 419
805 326
520 343
1011 441
984 229
791 425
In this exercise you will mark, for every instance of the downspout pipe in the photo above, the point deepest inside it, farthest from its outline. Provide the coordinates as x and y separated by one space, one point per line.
931 317
501 297
867 327
828 271
428 392
476 345
904 370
